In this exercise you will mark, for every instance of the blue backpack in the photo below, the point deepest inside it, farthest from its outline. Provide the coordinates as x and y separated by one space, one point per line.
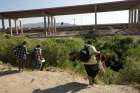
34 52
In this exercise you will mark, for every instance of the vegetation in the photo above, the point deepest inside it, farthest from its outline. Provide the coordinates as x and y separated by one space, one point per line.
123 50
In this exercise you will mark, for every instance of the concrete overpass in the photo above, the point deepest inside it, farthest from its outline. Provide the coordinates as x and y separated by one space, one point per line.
132 5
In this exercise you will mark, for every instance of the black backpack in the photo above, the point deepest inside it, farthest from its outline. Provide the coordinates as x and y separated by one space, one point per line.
84 54
33 54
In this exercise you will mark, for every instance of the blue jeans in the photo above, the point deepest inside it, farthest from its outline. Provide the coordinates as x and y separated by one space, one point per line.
35 64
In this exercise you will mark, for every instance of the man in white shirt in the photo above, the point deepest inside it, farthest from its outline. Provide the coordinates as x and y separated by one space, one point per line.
92 66
92 52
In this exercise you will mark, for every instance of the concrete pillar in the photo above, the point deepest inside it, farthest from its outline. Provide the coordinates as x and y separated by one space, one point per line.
132 16
138 16
54 25
95 18
45 26
129 17
20 25
10 27
3 24
130 27
135 16
16 28
133 19
49 25
139 19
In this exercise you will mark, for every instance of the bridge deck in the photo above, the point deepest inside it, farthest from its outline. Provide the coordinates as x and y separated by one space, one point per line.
101 7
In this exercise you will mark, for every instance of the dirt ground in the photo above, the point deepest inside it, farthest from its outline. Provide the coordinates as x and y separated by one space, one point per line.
12 81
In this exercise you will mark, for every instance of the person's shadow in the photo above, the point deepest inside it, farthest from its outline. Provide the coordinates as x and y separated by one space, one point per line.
8 72
71 87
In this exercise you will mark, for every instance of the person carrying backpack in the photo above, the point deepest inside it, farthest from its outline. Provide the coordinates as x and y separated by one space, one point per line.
91 66
37 59
20 51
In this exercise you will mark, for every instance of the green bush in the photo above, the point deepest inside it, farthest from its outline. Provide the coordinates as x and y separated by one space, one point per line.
131 73
54 50
109 77
123 49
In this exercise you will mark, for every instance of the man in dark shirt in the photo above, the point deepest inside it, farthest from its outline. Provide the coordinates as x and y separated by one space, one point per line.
20 52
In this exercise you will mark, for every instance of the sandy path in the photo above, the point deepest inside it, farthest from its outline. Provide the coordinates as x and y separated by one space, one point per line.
53 82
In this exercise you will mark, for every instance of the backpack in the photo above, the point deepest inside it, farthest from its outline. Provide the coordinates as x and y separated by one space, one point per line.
84 54
34 52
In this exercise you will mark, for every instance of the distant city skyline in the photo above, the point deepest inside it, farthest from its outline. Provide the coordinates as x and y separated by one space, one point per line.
79 19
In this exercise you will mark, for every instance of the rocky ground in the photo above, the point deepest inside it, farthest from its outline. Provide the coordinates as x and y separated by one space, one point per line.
56 81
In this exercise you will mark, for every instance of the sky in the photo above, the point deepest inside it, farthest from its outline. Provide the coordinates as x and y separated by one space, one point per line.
80 19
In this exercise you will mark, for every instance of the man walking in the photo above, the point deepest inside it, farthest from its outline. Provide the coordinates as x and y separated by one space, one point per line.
20 52
92 66
37 59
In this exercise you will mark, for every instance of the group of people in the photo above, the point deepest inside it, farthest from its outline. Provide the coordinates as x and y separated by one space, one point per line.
21 53
92 65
